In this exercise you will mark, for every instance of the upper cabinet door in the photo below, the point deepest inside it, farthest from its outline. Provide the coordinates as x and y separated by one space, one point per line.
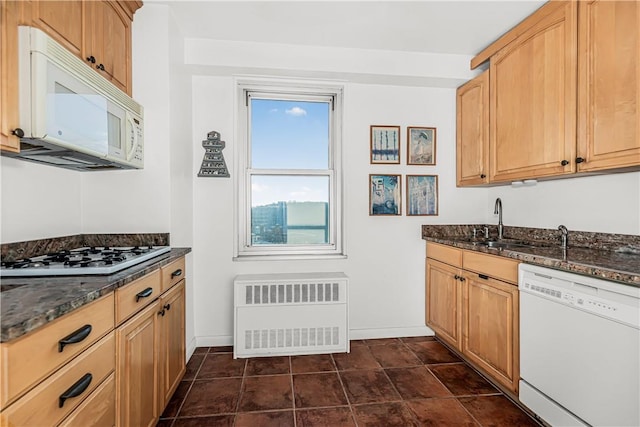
472 131
109 42
533 100
62 20
609 85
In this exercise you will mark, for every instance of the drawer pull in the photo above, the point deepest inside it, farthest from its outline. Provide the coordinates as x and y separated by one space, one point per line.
143 294
483 276
74 337
176 273
75 390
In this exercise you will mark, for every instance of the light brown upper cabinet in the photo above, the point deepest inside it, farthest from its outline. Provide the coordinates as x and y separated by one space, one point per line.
108 42
62 20
608 85
472 138
98 32
533 100
564 88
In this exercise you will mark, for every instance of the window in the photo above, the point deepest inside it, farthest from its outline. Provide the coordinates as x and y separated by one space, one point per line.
290 182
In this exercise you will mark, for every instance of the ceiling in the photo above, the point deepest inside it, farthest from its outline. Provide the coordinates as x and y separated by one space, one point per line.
444 27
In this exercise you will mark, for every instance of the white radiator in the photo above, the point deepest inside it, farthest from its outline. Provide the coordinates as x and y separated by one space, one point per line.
290 314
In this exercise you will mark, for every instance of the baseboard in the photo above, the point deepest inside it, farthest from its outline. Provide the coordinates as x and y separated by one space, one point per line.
214 341
373 333
191 347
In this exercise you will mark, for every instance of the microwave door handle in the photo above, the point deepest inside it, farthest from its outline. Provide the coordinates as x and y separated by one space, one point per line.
134 147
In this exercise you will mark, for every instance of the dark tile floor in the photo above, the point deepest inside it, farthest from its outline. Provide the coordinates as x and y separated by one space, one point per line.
386 382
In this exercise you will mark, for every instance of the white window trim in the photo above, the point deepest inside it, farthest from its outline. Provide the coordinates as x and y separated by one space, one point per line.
244 251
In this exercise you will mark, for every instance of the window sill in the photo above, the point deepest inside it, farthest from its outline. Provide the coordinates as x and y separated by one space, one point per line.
292 257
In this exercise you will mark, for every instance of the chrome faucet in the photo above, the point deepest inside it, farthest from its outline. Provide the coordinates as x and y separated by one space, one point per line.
564 236
497 210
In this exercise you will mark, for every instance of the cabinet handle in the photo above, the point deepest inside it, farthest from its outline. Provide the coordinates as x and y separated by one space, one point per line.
75 390
17 132
483 176
483 276
161 313
176 273
564 162
167 307
74 337
91 59
143 294
100 67
457 277
580 159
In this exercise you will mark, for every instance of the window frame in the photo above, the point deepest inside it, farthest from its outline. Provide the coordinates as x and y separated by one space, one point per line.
243 247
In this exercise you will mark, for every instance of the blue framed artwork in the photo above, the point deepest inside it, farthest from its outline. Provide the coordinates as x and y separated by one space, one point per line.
421 146
422 195
385 195
385 144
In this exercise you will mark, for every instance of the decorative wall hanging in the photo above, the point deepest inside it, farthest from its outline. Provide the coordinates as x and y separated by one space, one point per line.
385 194
213 164
422 194
421 146
385 144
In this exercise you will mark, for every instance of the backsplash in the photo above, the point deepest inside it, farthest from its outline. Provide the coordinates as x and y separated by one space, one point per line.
550 237
19 250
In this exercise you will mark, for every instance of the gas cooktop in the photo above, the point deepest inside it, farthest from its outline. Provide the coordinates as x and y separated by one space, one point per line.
82 261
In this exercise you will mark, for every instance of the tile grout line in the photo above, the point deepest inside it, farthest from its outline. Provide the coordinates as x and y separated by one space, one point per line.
240 393
293 391
344 390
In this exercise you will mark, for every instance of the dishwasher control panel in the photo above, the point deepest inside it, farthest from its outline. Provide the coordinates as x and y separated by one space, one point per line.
608 299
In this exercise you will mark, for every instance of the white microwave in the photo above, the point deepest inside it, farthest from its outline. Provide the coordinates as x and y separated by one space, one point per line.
69 115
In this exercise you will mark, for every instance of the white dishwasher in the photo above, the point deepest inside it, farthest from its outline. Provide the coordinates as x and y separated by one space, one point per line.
579 348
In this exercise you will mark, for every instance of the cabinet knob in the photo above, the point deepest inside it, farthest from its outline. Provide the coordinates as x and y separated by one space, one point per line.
162 312
167 307
100 67
91 59
580 159
17 132
564 162
483 176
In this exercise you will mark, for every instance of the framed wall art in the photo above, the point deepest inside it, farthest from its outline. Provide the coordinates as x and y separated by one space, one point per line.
422 195
385 144
385 194
421 146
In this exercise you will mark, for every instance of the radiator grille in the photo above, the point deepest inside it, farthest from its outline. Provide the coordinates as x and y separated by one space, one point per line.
292 293
290 314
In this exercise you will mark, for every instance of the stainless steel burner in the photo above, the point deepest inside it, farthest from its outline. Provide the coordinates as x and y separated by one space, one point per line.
82 261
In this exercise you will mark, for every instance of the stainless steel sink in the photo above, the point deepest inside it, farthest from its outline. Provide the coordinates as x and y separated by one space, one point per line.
496 244
504 245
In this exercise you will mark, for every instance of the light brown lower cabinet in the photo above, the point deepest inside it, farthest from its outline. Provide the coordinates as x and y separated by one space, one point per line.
99 409
473 311
172 363
122 372
137 368
150 358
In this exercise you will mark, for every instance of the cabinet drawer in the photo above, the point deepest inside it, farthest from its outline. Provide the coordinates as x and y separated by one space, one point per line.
136 295
42 405
99 409
172 273
31 358
446 254
492 266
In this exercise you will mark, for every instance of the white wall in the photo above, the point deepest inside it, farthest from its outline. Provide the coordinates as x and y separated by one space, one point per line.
385 254
38 201
606 203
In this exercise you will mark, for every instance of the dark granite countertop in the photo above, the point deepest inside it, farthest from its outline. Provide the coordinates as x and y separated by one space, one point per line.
611 257
27 303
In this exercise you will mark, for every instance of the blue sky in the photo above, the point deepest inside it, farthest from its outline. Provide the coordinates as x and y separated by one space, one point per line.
289 135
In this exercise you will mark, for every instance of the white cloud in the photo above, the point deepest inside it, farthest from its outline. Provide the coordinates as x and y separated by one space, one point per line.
259 187
296 111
